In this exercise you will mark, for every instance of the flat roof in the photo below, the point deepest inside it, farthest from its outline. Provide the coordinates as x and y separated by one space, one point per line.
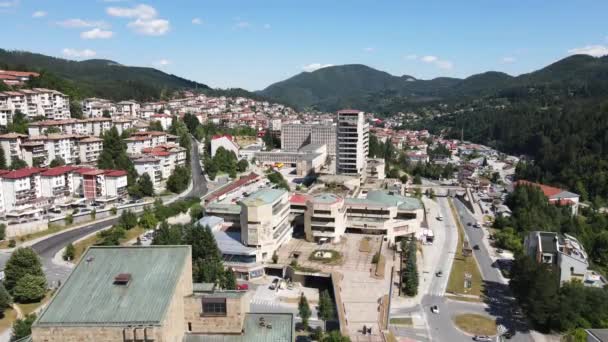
90 297
281 331
263 196
230 243
383 198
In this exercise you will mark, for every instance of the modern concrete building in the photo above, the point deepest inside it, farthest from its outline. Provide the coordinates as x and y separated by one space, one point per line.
352 143
309 158
11 144
147 294
565 253
226 141
296 135
265 221
379 213
325 217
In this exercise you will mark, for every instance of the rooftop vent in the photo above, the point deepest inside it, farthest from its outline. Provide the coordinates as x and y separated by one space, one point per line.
122 279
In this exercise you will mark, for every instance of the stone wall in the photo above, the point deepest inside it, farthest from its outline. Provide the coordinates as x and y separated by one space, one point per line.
236 309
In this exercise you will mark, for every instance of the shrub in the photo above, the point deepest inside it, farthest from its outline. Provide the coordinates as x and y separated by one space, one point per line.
29 288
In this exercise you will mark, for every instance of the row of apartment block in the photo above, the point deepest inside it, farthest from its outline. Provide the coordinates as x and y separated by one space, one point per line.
39 188
93 126
40 150
159 161
37 102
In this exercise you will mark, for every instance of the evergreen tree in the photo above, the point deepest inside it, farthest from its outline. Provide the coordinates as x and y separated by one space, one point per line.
326 307
18 124
70 252
179 179
3 165
17 163
29 289
229 280
5 299
148 220
167 235
127 220
58 161
22 262
114 155
23 327
304 310
145 185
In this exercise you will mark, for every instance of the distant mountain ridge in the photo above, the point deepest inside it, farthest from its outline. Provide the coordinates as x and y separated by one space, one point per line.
106 78
360 86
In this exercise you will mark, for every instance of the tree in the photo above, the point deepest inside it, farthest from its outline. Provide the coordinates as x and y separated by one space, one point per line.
3 165
155 126
242 165
304 310
69 219
410 273
145 185
167 235
2 231
70 252
179 179
93 214
22 262
335 336
196 212
114 155
417 180
127 220
17 163
148 220
326 308
29 289
52 130
23 327
228 280
5 299
75 110
58 161
106 114
18 124
112 236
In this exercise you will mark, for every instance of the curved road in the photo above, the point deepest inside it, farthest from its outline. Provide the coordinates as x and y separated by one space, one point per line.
47 248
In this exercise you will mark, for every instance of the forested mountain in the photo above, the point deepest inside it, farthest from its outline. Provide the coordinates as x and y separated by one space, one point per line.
369 89
105 78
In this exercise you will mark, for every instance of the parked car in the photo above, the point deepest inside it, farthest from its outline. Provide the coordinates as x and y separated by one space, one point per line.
274 284
476 247
439 217
435 309
477 225
242 287
439 274
482 338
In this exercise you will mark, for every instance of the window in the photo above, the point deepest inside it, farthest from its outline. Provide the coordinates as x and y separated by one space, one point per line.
214 307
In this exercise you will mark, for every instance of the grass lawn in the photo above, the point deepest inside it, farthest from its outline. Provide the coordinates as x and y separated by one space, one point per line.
463 265
390 337
81 246
31 307
475 324
9 318
402 321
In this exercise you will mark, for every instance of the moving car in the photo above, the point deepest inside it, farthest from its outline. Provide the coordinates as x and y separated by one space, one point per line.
482 338
439 217
435 309
439 274
476 247
477 225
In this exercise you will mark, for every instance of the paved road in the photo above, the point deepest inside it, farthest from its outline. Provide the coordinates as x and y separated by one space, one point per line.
47 248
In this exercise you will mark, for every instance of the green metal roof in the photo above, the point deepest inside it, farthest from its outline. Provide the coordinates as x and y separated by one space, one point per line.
90 297
223 208
326 198
383 198
263 196
281 331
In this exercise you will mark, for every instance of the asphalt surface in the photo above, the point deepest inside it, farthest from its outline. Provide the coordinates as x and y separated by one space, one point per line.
47 248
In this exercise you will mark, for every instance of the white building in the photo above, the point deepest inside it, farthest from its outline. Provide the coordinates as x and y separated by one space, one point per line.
352 143
140 140
226 141
36 102
164 119
152 166
20 189
11 144
89 149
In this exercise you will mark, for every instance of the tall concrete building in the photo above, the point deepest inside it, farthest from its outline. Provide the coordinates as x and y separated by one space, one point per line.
352 142
296 135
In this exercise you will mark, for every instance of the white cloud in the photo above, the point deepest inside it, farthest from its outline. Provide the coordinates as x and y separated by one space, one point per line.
9 4
267 26
197 21
39 14
242 24
73 53
315 66
369 49
80 23
96 33
140 11
146 21
151 27
411 57
509 60
163 62
591 50
440 63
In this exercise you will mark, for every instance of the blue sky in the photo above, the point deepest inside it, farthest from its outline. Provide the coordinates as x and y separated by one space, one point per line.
253 43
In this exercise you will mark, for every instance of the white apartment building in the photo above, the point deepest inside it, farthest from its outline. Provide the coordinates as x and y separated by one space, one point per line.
20 189
35 102
92 126
151 166
122 124
64 146
89 149
127 108
265 221
140 140
226 141
94 107
11 144
296 135
164 119
57 183
352 143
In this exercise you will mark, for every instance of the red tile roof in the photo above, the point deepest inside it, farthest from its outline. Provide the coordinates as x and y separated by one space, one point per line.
549 191
219 136
115 173
59 170
299 199
22 173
